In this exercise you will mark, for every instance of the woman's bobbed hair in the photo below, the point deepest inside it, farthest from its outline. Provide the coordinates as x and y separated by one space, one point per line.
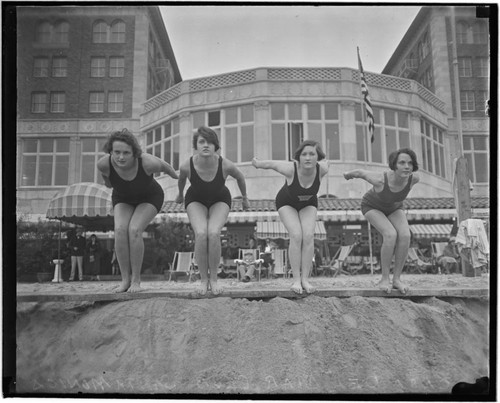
306 143
393 158
208 134
126 137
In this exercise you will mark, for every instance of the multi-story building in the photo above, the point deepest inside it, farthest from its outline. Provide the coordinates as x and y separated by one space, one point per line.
82 73
425 54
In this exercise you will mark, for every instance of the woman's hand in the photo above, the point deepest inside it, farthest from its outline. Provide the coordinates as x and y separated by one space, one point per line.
255 162
244 202
348 175
179 199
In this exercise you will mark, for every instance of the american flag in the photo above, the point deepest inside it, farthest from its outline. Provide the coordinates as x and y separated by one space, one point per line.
366 97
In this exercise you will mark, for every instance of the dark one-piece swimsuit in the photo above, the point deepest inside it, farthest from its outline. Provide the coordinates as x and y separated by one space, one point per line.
385 201
295 195
142 189
207 193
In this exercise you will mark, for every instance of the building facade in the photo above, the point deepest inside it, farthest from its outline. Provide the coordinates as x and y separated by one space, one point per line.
425 54
83 72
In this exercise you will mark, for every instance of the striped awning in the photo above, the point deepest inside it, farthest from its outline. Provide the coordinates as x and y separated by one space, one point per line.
86 203
431 231
276 229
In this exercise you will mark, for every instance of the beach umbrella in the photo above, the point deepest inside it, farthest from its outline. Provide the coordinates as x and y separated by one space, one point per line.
85 204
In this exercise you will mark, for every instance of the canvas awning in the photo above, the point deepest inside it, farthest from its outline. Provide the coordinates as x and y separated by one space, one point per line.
431 231
276 229
86 204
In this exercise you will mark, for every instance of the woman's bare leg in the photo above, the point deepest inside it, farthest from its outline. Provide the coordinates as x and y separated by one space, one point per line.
290 219
400 223
308 222
217 217
198 218
122 215
143 214
389 234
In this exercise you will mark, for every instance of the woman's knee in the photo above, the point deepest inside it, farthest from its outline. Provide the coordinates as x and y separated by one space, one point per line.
135 232
404 236
200 234
213 234
295 236
121 231
390 235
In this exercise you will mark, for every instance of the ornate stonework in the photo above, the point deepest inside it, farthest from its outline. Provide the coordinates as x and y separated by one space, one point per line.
261 105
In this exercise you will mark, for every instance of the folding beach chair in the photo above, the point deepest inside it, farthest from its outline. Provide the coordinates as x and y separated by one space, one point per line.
417 264
183 263
339 260
354 264
369 262
447 264
256 258
280 262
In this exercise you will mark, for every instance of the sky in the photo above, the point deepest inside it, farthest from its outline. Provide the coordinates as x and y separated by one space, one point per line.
210 40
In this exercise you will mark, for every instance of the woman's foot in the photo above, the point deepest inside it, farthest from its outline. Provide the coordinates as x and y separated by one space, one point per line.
398 285
215 288
202 288
297 287
135 287
308 287
385 285
123 287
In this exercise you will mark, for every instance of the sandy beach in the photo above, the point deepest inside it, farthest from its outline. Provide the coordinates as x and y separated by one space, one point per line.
240 346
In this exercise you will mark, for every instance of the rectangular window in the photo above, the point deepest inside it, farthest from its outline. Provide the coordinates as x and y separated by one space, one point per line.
377 146
467 101
97 67
247 152
477 154
115 101
231 148
315 132
391 141
482 97
360 143
57 102
41 67
464 67
332 150
96 102
213 118
198 119
38 102
116 67
59 67
483 67
278 141
314 111
277 111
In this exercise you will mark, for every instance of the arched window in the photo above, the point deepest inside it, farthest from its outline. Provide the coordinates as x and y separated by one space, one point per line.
99 32
43 32
61 32
462 32
118 32
426 48
479 33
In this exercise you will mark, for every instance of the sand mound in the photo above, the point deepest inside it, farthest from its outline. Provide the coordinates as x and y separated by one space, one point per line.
223 345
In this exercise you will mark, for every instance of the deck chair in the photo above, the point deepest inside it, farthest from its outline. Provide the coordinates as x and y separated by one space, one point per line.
417 264
437 251
280 262
183 263
258 261
368 263
338 262
354 264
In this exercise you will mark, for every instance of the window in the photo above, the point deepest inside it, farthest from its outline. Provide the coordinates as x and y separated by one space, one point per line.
99 32
477 153
43 32
61 32
45 162
91 153
425 46
482 97
38 102
462 31
96 102
464 67
479 32
483 67
116 67
97 67
40 67
163 142
115 101
57 102
118 32
59 67
432 148
467 101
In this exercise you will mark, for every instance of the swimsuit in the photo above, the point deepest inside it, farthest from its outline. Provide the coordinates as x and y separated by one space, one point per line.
207 193
142 189
385 201
295 195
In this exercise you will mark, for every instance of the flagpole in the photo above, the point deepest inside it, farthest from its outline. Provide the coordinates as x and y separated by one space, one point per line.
365 150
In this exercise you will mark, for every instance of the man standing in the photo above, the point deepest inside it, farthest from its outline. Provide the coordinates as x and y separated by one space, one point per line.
77 250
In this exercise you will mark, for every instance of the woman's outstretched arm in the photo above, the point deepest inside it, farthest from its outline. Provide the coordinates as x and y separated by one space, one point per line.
374 178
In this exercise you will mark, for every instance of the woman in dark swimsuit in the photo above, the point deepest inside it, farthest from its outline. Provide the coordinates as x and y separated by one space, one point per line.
383 208
136 198
297 205
208 202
